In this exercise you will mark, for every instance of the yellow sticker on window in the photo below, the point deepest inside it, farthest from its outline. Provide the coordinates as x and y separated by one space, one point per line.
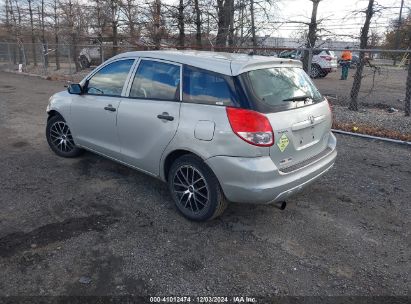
283 142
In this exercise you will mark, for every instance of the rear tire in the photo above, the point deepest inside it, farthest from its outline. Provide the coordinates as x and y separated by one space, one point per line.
315 71
60 139
195 189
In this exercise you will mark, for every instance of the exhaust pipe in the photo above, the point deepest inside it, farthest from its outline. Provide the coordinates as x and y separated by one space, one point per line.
281 205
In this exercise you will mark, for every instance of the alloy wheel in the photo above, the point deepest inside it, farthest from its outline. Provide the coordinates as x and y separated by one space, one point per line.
191 189
61 137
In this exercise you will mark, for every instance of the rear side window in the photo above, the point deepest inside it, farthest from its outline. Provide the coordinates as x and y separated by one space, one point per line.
156 80
110 79
201 86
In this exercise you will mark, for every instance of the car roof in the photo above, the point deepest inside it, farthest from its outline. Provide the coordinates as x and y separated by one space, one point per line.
224 63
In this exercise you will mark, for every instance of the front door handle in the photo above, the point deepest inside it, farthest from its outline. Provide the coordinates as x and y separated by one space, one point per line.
110 108
165 116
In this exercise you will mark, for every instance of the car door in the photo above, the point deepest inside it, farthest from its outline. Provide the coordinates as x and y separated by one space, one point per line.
94 113
147 120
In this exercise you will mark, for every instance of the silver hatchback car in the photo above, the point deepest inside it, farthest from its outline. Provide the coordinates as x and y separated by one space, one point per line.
216 127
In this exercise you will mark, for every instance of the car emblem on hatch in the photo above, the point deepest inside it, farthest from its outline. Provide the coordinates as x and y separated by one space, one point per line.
312 119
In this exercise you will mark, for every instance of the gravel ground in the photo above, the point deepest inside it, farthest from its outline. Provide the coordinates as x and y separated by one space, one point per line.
89 226
374 101
379 118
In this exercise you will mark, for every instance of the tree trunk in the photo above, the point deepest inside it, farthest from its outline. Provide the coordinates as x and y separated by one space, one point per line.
33 37
157 19
223 24
57 53
181 34
114 25
231 25
312 35
198 23
363 45
253 35
43 37
56 36
408 91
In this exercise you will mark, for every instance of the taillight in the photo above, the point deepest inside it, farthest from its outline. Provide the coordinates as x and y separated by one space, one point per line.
328 58
251 126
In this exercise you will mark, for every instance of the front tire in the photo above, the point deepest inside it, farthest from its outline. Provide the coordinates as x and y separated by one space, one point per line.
60 139
195 189
84 63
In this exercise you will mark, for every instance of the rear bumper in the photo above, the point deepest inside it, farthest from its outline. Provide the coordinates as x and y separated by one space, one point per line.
258 180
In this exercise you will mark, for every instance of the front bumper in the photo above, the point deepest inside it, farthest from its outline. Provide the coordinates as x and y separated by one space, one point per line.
258 180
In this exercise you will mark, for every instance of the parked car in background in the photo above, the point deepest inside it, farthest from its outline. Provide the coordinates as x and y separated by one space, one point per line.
216 127
323 61
355 61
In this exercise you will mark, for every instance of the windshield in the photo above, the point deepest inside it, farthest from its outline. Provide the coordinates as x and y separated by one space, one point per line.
279 86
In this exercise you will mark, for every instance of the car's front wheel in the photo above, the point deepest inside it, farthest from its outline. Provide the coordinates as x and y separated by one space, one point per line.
59 137
195 189
84 63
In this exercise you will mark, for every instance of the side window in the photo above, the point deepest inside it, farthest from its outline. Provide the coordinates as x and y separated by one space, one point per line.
201 86
156 80
110 79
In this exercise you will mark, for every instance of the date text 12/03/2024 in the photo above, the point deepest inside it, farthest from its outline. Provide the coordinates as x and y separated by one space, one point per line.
203 299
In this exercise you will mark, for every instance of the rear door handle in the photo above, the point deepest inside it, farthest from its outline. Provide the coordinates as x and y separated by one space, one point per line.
165 116
110 108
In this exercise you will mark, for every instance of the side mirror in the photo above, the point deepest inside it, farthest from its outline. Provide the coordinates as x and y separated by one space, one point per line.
75 88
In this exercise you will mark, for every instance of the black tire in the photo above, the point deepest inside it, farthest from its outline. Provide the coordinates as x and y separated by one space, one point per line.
210 202
59 138
323 74
84 63
316 71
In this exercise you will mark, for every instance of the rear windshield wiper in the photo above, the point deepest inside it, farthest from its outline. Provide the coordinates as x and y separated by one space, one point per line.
298 98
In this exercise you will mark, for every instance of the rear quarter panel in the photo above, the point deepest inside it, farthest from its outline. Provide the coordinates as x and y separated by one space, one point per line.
223 143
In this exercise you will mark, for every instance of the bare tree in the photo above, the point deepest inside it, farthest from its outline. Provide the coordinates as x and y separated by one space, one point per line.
181 27
407 102
33 36
363 45
130 10
197 22
252 15
56 33
223 23
114 23
312 34
41 11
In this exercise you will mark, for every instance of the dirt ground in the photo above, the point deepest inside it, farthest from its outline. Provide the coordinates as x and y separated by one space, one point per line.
384 89
89 226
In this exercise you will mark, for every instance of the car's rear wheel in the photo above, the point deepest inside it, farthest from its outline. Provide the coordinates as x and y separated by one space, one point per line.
60 139
315 71
323 74
195 189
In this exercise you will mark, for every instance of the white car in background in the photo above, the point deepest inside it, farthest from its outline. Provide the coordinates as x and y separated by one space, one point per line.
323 61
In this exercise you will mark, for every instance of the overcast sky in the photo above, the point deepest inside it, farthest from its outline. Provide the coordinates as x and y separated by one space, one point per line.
340 12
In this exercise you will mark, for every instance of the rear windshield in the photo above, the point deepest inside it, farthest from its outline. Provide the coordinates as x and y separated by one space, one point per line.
276 89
